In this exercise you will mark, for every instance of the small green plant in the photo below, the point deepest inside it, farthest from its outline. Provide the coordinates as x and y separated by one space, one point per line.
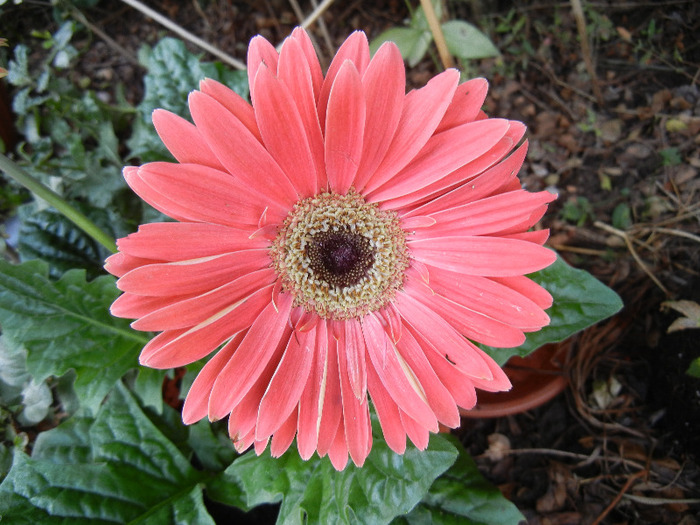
670 157
577 211
463 39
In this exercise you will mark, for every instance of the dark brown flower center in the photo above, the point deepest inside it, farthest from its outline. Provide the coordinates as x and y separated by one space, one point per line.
341 258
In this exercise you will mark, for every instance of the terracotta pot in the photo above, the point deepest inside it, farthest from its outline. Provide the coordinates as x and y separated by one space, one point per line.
536 379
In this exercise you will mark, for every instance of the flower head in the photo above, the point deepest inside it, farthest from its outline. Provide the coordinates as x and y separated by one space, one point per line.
337 242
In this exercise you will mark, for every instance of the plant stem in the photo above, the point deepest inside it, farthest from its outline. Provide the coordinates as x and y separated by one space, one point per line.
438 36
58 202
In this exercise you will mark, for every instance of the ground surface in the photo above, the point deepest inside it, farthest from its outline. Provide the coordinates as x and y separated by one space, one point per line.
622 150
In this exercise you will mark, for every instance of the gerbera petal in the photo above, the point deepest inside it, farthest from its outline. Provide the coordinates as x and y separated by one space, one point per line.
284 436
387 412
488 256
473 325
283 132
417 433
466 173
197 400
244 416
121 263
538 237
312 399
338 451
483 185
294 71
528 288
248 161
489 298
396 376
384 85
201 194
355 414
352 345
237 105
444 153
194 310
332 410
200 340
260 53
159 201
422 111
131 306
246 365
183 139
466 104
307 47
345 125
194 275
459 384
286 386
356 50
442 336
171 241
516 209
438 397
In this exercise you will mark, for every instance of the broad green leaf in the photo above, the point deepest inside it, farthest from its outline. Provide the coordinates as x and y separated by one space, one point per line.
580 300
148 385
386 486
212 445
116 468
413 43
66 325
49 235
461 496
466 41
30 400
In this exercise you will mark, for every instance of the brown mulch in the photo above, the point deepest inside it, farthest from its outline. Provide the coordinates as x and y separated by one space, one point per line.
626 170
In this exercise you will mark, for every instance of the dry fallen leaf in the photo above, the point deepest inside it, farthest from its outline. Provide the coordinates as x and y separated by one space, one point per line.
691 311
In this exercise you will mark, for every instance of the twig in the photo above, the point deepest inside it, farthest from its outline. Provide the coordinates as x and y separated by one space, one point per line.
324 31
677 233
172 26
586 50
321 24
645 500
316 13
630 247
617 498
438 36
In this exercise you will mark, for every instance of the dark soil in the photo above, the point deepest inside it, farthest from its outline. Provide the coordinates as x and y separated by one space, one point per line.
626 170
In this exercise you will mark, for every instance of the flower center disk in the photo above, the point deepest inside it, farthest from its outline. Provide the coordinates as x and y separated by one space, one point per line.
340 256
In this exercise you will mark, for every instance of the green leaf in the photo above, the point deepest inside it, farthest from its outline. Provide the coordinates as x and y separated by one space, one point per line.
466 41
116 468
386 486
694 368
580 300
149 387
49 235
413 43
461 496
67 325
212 445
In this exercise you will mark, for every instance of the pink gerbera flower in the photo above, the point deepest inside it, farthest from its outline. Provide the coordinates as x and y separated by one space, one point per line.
338 241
